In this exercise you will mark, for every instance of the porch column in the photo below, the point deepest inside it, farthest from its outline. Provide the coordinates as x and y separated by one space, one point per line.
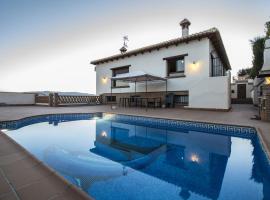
111 94
135 86
166 86
146 92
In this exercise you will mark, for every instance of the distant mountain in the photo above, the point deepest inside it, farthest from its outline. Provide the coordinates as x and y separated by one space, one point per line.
46 93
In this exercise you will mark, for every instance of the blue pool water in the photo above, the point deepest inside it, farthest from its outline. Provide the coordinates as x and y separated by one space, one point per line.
122 157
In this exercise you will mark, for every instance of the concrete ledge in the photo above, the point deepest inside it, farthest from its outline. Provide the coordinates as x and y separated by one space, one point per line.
208 109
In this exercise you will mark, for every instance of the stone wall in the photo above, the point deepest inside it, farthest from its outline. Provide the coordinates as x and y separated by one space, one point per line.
265 103
17 98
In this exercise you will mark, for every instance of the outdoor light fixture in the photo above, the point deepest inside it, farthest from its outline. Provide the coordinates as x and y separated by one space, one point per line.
194 66
194 158
267 80
104 80
108 116
104 134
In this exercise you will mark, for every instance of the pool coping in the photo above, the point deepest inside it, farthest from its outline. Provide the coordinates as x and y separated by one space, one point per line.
262 141
74 188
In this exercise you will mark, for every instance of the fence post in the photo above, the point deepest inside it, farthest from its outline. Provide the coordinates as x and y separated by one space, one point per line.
51 100
36 96
55 99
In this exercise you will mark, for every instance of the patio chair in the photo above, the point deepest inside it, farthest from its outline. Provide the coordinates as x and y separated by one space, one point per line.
134 100
169 100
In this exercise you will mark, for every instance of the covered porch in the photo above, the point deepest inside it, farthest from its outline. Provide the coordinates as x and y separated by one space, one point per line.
141 99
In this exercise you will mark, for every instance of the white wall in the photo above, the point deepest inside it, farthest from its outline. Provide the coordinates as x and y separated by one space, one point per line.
204 91
249 87
13 98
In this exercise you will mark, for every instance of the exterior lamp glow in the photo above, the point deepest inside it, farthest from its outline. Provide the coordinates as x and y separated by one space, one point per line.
104 134
194 66
267 80
108 116
104 80
194 158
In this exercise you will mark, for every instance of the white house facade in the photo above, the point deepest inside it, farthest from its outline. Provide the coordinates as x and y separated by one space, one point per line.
196 66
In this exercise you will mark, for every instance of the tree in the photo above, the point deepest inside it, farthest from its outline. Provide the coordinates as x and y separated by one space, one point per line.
267 29
243 72
257 49
257 61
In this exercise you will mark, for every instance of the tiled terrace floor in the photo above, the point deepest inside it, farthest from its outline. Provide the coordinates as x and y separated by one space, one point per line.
13 158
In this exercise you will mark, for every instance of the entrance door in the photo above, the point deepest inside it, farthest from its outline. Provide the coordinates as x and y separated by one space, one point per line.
241 91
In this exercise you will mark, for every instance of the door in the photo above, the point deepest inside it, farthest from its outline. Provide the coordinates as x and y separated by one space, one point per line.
241 91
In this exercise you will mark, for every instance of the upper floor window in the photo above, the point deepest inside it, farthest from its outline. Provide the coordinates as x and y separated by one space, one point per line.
120 70
217 68
175 65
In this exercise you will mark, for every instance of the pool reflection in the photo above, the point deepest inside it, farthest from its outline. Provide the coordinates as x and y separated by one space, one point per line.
194 161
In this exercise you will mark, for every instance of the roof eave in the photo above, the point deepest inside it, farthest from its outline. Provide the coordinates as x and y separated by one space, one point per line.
211 34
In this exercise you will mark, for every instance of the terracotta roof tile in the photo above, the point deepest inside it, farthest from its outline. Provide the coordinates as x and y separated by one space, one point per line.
213 34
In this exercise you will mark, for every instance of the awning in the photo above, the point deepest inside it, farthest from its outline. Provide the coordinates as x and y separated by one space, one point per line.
137 76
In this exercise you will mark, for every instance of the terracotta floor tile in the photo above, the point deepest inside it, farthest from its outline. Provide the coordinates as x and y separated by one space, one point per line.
4 186
10 158
44 189
69 194
19 177
6 149
9 196
25 163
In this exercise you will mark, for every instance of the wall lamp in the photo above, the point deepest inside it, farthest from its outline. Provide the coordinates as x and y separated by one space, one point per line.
104 79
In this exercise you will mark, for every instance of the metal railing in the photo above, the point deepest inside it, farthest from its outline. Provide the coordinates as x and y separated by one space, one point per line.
79 100
54 99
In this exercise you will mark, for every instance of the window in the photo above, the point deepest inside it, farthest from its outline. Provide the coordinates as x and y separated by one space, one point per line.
175 65
111 98
181 100
120 70
217 68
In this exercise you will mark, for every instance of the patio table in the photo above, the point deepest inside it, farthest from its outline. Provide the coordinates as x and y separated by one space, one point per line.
140 101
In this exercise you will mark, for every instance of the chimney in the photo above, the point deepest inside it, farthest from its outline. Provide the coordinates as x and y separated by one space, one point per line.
123 50
185 27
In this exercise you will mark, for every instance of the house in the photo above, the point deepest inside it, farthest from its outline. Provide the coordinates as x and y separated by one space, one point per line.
195 66
241 90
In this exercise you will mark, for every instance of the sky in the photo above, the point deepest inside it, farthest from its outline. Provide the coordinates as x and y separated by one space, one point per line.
48 44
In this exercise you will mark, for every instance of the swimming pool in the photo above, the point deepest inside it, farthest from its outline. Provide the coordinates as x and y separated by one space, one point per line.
130 157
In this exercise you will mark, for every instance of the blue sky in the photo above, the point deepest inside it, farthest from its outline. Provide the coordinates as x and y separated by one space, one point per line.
47 45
